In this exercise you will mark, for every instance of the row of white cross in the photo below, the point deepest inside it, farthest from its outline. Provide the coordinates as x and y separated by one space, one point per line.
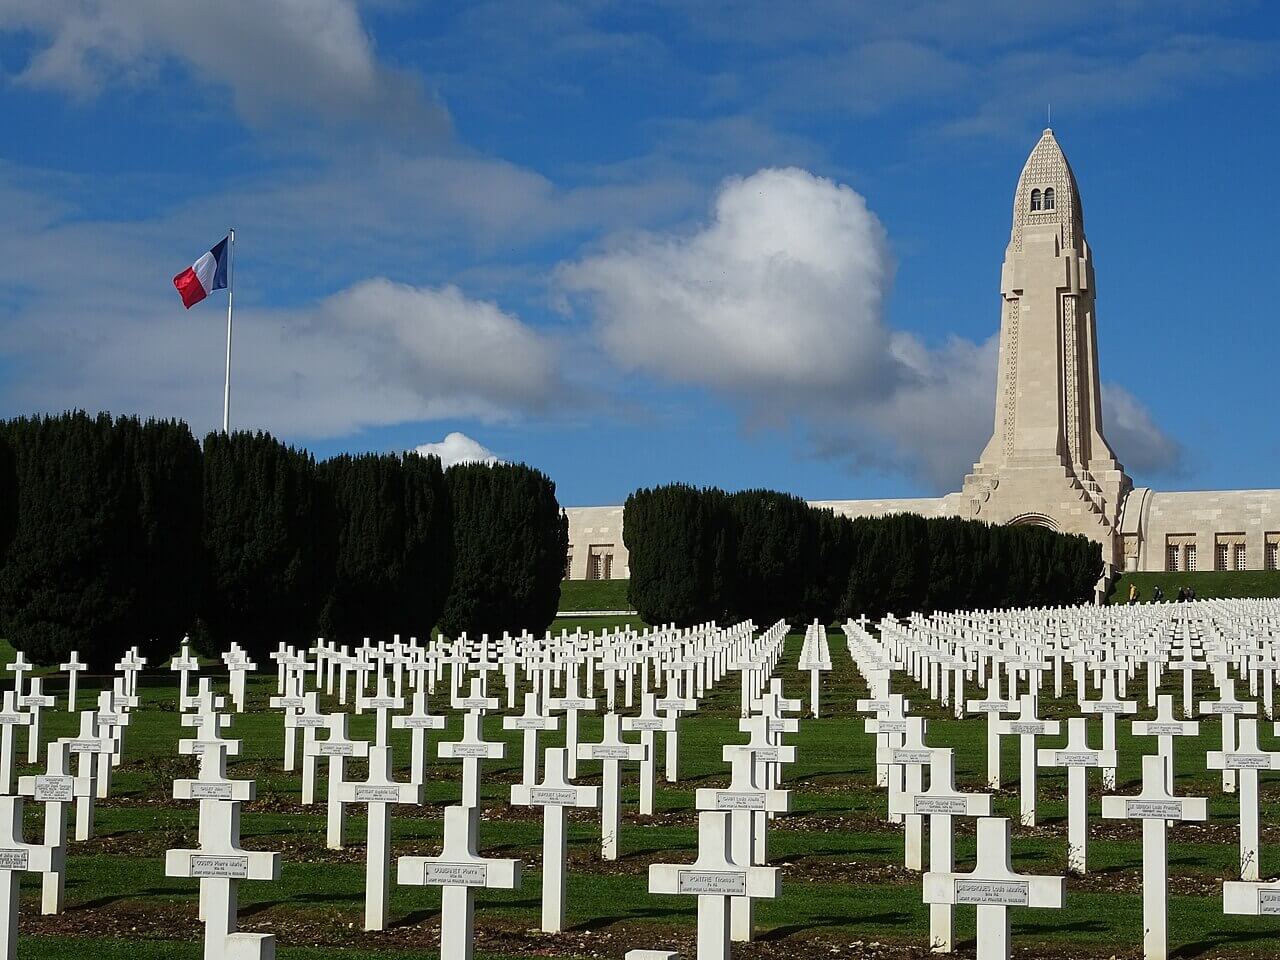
728 875
938 654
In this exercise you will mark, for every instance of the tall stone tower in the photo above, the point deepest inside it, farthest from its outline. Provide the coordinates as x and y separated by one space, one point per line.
1047 461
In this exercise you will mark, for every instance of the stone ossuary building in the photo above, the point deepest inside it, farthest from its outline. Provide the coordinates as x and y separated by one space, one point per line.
1048 462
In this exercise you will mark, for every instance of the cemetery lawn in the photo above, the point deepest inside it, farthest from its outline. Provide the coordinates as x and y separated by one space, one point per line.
1206 584
843 884
594 595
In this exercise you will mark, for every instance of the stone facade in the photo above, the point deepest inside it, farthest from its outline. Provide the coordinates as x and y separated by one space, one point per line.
1048 462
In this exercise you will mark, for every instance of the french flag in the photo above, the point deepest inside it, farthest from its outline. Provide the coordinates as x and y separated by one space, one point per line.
207 274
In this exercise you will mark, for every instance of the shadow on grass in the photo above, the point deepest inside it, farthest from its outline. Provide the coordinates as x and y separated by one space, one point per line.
1214 942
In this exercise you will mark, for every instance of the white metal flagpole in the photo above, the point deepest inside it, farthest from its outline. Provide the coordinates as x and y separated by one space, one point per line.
231 286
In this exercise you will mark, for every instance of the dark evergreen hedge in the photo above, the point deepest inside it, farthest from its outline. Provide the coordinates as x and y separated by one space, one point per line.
105 551
115 532
268 544
393 546
697 554
510 540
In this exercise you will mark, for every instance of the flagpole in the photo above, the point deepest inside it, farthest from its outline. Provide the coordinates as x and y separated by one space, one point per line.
231 286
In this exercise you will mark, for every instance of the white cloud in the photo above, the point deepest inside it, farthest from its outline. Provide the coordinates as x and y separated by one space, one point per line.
1139 442
272 55
781 290
458 448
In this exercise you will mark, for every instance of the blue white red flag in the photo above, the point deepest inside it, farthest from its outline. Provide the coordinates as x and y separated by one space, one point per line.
207 274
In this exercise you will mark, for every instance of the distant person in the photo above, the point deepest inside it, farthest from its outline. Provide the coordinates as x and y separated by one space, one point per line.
1191 593
1182 594
1133 592
1157 594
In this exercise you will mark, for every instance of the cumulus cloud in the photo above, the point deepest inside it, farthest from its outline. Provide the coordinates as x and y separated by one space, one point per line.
375 353
781 290
778 301
458 448
1140 443
272 55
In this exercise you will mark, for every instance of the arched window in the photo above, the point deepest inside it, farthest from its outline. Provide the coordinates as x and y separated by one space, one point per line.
1035 199
1048 198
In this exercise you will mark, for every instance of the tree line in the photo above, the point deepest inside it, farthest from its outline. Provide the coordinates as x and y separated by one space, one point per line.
703 554
117 532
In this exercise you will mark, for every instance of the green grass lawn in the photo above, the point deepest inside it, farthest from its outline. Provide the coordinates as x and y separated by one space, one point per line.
1206 584
594 595
841 862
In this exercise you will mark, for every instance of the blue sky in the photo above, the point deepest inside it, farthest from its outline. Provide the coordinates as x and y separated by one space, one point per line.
743 244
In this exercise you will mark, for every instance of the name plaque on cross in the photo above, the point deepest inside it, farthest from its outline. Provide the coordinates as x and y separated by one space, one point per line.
1005 893
14 859
53 789
712 883
226 868
575 703
1157 729
470 749
368 794
1026 727
84 746
12 717
600 752
990 706
1067 758
1269 902
952 806
455 874
527 723
731 800
553 797
891 726
210 791
286 703
911 756
1153 809
647 723
335 749
382 703
1247 761
308 721
1216 707
417 723
767 754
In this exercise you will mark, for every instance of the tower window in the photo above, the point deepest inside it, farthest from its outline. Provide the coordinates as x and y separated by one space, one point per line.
1048 198
1035 199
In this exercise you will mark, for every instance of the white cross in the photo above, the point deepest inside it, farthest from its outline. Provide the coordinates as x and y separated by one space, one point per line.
337 748
10 717
1247 759
715 877
672 705
748 843
18 857
912 757
471 749
994 887
92 749
555 794
382 702
55 788
1027 726
1077 757
1108 705
1227 707
418 721
73 668
766 756
378 792
611 751
1155 806
220 863
647 724
993 705
184 664
291 700
34 701
571 703
18 667
940 802
530 722
1165 727
459 871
